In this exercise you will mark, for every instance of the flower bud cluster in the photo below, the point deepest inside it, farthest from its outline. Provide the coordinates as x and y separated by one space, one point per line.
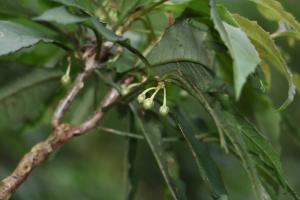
148 103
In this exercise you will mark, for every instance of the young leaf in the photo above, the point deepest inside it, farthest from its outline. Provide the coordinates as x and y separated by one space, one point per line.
14 37
278 12
23 99
243 53
268 51
153 137
60 15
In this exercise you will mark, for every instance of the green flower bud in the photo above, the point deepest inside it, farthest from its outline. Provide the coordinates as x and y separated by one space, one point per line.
65 79
124 90
148 103
164 110
141 98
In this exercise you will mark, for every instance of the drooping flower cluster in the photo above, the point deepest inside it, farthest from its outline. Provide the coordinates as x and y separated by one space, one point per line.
148 103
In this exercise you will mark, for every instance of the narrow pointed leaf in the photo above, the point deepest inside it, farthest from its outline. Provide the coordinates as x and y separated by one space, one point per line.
208 168
278 12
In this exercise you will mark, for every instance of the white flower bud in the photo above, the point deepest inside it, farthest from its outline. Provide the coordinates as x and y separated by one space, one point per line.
164 110
125 90
141 98
148 103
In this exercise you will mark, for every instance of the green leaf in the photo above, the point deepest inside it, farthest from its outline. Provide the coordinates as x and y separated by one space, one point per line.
131 182
200 7
86 5
277 11
266 117
208 169
14 37
183 47
233 129
230 128
154 139
253 149
292 128
268 51
60 15
24 96
245 141
13 8
128 6
105 32
22 8
243 53
125 62
182 42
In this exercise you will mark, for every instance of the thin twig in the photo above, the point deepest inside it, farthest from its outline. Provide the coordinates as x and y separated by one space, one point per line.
121 133
205 137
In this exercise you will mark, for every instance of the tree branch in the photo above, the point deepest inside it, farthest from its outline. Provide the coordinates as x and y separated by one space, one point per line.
62 132
64 104
39 152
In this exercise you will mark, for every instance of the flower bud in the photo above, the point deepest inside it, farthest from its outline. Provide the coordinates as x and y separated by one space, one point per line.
164 110
141 98
65 79
148 103
124 90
